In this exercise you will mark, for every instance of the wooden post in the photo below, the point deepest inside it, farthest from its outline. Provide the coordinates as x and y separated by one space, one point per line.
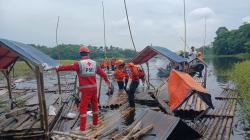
59 87
205 77
7 76
99 92
42 102
148 75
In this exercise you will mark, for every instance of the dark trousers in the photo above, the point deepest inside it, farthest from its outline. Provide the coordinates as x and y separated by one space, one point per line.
131 92
126 83
120 85
112 67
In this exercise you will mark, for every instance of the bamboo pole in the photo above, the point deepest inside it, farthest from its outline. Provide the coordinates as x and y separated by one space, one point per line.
99 91
111 131
7 76
148 76
227 132
222 129
71 135
218 126
143 131
133 131
42 102
59 87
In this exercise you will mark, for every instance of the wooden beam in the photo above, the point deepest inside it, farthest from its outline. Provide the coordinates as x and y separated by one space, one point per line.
148 75
12 65
205 77
7 76
99 91
42 102
29 66
59 87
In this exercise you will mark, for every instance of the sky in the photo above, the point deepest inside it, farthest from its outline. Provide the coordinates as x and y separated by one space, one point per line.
156 22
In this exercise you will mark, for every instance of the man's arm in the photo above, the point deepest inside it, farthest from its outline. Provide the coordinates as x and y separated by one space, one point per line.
102 73
68 67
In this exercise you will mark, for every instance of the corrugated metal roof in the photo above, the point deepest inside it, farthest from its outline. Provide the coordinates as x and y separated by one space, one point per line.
151 51
23 51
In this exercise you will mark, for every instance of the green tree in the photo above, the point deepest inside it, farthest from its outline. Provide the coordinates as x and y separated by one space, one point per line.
232 42
70 51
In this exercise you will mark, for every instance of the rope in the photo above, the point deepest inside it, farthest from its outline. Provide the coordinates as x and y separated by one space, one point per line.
185 28
104 30
57 24
131 36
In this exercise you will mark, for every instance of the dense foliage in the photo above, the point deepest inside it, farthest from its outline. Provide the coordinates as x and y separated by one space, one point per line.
240 76
232 42
69 51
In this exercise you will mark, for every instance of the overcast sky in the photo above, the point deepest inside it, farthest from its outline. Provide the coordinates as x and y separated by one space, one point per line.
157 22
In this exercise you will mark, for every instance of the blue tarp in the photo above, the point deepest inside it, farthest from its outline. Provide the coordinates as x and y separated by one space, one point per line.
27 52
151 51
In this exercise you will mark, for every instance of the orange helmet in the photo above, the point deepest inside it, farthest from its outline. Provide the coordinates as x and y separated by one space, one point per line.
84 48
119 62
131 64
199 54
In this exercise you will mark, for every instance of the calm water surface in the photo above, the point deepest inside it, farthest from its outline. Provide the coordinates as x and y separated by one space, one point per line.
218 69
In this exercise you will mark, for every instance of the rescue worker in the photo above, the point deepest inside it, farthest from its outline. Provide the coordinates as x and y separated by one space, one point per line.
134 75
199 56
113 61
126 76
199 63
86 70
119 74
192 55
108 64
141 74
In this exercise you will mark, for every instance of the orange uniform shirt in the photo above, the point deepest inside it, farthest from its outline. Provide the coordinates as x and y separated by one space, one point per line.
119 74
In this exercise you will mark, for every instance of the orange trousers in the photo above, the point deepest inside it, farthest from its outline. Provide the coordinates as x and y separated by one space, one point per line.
88 96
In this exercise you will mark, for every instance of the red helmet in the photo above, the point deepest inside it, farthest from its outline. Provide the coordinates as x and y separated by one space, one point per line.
83 48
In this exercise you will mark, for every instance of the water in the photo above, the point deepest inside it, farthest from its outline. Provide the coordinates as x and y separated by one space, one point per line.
218 69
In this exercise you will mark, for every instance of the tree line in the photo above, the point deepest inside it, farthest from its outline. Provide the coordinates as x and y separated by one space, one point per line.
232 42
70 52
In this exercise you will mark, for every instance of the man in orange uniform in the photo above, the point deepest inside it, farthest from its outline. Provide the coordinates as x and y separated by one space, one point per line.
86 70
134 75
141 74
126 74
113 63
119 74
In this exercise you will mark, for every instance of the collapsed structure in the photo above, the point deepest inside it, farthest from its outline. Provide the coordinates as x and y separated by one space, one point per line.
10 53
184 95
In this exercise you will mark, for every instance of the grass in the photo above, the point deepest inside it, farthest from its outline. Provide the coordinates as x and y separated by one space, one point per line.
240 76
22 69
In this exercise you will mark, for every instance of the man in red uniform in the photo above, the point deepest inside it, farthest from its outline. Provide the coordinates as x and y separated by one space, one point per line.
86 70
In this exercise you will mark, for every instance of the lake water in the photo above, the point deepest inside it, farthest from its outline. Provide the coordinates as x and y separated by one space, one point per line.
218 69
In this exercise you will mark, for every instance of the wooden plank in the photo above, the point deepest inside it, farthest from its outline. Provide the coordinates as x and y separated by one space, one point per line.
143 131
133 131
3 91
19 123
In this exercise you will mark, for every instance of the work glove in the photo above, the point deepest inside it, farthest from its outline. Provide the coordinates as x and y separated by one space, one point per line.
110 90
108 84
50 68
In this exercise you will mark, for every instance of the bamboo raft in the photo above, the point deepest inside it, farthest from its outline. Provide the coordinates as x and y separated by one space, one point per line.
24 120
217 123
